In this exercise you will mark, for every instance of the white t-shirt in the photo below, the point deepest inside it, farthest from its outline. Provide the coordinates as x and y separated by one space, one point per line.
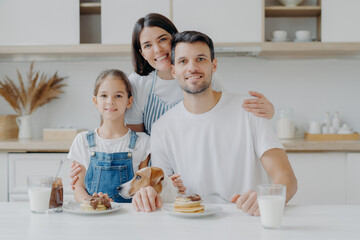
217 151
79 149
169 91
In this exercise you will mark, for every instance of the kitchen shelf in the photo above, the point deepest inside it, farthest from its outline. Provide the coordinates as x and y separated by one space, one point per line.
265 49
309 49
299 11
90 8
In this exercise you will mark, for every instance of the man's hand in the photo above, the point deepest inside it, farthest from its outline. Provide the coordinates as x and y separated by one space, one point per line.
146 199
178 183
74 171
247 202
259 106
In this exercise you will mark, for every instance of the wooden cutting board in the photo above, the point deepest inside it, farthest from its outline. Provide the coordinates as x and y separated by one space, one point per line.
332 137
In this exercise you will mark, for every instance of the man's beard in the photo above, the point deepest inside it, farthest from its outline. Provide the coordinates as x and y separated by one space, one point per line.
205 85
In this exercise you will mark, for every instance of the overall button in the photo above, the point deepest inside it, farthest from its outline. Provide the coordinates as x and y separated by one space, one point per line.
129 154
92 153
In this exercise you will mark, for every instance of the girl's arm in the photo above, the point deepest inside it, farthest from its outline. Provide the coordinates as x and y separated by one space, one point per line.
80 192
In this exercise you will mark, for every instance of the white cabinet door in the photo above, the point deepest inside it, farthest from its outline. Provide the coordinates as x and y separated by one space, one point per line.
353 178
321 178
3 176
118 17
223 21
340 21
22 165
39 22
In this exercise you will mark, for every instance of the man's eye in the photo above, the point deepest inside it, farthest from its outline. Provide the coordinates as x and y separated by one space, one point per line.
119 96
182 61
201 59
138 177
146 46
103 95
163 39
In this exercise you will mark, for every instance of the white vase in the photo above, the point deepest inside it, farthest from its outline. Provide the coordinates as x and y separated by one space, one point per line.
24 127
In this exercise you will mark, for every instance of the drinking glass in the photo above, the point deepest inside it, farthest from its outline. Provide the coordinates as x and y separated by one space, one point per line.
39 189
271 200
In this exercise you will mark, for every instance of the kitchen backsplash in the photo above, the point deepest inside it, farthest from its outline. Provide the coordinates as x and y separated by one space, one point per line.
310 87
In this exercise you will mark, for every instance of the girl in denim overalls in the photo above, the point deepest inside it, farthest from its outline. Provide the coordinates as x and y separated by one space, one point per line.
110 154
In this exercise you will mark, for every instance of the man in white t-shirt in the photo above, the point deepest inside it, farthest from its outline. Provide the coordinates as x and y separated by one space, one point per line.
213 143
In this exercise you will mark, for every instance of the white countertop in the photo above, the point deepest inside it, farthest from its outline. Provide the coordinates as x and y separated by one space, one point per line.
293 145
299 222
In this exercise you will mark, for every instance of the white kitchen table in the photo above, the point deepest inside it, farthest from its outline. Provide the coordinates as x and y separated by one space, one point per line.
299 222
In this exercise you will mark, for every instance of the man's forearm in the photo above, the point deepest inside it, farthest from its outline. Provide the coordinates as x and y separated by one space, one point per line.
277 165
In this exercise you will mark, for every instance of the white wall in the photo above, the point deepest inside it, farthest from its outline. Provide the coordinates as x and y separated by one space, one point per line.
310 87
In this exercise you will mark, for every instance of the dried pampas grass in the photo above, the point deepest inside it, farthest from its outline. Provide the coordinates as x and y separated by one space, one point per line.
39 90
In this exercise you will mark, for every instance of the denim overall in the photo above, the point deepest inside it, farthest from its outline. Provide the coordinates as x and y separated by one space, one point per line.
154 108
107 171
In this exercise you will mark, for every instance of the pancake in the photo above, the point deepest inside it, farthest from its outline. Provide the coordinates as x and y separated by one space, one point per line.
95 203
188 204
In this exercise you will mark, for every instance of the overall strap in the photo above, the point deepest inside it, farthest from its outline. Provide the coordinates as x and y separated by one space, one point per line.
90 137
133 138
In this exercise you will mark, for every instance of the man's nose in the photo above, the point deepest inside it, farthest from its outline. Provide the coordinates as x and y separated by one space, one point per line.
193 66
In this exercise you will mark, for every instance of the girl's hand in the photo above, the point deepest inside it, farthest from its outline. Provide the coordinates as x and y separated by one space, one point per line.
259 106
74 171
100 194
178 183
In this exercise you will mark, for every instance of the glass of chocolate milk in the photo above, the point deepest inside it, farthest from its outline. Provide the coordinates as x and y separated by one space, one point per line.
57 195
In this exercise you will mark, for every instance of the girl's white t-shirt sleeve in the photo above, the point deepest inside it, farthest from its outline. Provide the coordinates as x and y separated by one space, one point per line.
134 115
79 151
217 84
159 158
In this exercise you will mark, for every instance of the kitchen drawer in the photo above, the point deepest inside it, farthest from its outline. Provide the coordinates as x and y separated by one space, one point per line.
22 165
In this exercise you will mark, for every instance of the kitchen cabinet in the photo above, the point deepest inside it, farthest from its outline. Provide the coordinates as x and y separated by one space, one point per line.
22 165
118 17
326 177
321 178
232 24
3 176
39 22
340 21
353 178
225 21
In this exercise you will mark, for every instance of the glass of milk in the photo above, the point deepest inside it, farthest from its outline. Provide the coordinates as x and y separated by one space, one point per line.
271 200
39 189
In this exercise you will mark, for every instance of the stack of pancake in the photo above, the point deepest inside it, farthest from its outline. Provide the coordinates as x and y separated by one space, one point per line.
95 203
188 204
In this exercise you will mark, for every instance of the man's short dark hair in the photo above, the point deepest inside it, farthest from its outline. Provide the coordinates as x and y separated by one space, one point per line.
191 37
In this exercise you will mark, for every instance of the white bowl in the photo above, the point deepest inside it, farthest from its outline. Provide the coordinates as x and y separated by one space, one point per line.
290 3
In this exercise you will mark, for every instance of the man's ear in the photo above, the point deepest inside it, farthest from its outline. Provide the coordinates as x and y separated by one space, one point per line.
94 100
214 63
157 175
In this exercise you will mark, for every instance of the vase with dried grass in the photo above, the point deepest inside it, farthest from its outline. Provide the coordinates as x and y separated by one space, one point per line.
27 97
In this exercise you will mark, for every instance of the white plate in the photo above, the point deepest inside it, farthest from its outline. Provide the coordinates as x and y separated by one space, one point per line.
209 210
298 40
74 207
280 40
